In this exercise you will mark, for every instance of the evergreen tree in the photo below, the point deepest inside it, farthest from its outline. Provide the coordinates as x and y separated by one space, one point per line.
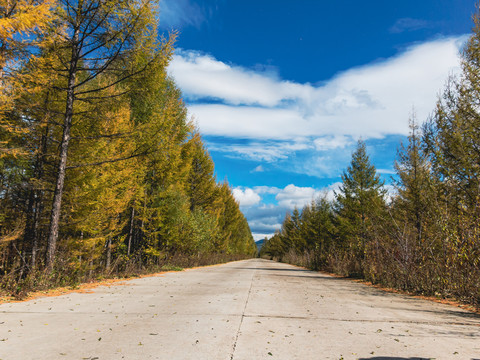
273 247
359 202
453 134
408 237
291 233
452 138
415 183
318 230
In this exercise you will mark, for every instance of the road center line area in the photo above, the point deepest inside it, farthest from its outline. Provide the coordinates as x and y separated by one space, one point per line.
251 309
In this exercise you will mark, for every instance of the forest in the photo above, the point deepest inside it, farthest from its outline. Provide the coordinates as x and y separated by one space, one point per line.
424 237
102 173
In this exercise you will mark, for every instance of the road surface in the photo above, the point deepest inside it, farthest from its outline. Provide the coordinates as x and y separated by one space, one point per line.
253 309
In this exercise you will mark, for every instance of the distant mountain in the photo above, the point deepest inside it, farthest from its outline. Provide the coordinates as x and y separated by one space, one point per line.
259 244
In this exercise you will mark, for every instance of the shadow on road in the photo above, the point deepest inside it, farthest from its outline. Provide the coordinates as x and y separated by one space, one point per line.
397 358
272 269
394 358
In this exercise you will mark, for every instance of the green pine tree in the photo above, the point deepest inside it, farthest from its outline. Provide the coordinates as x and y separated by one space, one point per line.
358 203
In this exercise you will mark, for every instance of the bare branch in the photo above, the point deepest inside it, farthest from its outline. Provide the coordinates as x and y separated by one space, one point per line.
107 161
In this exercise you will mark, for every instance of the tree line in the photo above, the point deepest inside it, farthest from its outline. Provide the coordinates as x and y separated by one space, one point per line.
101 171
425 237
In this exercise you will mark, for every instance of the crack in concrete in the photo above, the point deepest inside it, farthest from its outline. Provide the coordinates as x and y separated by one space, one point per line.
413 322
243 316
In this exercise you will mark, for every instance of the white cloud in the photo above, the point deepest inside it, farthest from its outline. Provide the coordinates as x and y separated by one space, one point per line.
261 236
266 190
246 197
259 168
266 224
332 142
369 101
201 76
386 171
264 219
293 196
249 121
330 191
391 192
268 151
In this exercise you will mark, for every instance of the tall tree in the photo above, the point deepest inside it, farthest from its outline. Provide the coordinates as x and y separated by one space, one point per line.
291 232
414 184
26 33
409 240
99 38
453 134
452 137
360 199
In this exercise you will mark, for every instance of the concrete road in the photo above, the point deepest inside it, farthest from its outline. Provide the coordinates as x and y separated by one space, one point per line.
253 309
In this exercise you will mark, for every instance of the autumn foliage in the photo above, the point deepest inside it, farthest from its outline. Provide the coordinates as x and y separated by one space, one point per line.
101 172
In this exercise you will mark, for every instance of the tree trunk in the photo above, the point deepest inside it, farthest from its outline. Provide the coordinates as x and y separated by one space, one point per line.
109 254
31 229
130 232
62 165
90 265
36 198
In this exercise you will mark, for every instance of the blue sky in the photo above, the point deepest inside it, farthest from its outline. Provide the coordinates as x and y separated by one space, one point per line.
282 90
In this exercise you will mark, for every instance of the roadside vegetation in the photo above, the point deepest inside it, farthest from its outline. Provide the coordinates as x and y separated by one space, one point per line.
425 236
101 172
